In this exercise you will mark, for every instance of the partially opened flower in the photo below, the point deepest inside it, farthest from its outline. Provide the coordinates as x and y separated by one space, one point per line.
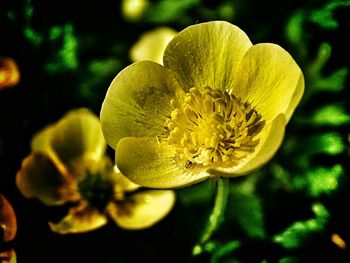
8 229
9 73
218 107
151 45
68 164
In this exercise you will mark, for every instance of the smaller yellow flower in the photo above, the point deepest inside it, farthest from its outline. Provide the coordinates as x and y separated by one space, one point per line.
218 106
9 73
8 229
68 164
151 45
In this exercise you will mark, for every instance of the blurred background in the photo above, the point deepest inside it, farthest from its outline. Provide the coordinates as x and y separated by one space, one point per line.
295 209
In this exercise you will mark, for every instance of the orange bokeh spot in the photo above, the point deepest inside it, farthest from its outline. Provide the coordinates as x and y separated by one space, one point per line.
338 241
9 73
8 223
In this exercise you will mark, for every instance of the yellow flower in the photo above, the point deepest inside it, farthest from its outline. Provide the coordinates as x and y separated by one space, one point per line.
68 164
218 107
151 45
8 229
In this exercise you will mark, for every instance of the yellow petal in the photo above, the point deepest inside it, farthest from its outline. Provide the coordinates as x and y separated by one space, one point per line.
207 54
270 79
78 134
8 223
41 141
137 102
154 165
80 219
40 178
151 45
143 209
8 256
297 95
271 138
122 183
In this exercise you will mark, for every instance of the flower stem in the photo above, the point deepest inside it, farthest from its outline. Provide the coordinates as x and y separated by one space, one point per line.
217 215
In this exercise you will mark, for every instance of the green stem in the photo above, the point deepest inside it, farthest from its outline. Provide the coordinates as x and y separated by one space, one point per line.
216 216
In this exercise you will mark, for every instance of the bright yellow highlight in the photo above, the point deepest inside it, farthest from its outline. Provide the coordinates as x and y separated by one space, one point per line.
132 10
218 107
68 164
151 45
9 73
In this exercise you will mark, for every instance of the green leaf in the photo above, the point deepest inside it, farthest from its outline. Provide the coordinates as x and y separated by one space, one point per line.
225 250
65 57
288 260
324 16
298 233
320 180
334 82
169 10
331 115
324 180
100 72
196 194
247 211
329 143
294 29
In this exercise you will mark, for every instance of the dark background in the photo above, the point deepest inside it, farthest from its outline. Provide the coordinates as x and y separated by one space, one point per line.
50 86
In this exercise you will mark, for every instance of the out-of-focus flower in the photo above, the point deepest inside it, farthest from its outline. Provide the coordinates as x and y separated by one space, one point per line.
132 10
9 73
68 164
151 45
8 229
218 107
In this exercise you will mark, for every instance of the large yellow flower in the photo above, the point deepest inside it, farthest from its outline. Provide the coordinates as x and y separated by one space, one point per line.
68 164
218 107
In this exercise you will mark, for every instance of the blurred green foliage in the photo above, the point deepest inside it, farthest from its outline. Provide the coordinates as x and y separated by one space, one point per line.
325 15
69 51
294 236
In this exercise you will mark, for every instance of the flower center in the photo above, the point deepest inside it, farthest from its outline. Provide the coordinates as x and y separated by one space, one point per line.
96 189
213 127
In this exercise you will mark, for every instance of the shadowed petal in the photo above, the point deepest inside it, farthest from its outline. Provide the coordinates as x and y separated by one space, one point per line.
8 256
76 135
143 209
152 44
40 178
80 219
